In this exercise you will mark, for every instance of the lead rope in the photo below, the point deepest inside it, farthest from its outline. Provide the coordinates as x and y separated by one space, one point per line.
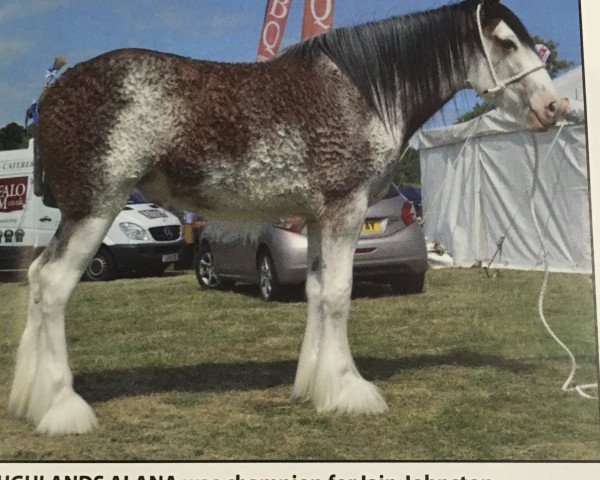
569 385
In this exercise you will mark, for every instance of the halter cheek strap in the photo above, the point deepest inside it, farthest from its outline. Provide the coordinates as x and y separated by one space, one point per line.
500 85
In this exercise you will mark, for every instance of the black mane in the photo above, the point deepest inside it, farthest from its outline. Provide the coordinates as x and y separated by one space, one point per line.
413 58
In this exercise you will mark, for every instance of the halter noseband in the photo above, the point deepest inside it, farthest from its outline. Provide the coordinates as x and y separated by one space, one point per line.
500 85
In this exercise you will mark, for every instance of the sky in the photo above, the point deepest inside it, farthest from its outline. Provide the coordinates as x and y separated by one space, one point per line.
33 32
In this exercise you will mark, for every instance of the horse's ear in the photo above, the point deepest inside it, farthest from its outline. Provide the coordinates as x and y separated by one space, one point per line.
485 4
488 10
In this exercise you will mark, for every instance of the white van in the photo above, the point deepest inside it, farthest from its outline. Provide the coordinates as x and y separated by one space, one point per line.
143 237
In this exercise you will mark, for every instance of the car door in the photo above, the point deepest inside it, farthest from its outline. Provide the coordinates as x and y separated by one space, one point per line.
237 252
219 249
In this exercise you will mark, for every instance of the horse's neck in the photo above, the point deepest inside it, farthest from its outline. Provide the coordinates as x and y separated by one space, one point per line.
407 68
413 119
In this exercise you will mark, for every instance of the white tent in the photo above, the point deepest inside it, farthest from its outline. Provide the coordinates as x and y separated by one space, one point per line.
570 84
477 194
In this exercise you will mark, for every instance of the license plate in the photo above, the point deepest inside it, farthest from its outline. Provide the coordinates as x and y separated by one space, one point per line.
173 257
371 226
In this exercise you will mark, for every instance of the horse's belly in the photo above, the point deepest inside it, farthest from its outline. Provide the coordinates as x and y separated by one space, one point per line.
270 178
247 206
256 190
255 187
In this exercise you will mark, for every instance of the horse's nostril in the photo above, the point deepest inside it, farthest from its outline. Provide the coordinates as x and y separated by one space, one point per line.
552 107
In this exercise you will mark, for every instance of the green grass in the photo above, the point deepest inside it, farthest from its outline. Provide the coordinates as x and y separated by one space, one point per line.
175 373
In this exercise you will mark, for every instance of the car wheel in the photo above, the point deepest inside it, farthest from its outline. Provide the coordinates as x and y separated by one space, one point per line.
101 268
269 285
408 283
204 266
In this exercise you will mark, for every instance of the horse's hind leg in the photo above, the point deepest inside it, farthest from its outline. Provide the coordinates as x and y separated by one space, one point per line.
42 388
338 386
26 362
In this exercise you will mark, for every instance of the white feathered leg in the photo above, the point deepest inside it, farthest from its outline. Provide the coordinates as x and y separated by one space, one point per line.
338 385
28 347
42 388
305 373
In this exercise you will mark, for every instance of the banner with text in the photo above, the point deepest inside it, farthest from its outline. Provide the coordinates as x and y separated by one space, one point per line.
317 18
271 34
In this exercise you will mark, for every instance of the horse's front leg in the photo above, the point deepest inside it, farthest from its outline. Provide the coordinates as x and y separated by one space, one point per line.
337 384
307 363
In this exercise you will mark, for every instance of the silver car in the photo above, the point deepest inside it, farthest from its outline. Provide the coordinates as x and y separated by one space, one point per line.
391 249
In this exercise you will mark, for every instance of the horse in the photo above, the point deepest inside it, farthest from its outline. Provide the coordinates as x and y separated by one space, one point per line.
315 132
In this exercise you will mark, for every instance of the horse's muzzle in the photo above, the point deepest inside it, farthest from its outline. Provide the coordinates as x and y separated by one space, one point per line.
544 111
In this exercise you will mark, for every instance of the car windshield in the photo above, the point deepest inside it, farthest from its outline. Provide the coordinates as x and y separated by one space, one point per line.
136 197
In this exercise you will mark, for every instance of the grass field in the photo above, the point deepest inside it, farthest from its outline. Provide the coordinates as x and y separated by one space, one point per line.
175 373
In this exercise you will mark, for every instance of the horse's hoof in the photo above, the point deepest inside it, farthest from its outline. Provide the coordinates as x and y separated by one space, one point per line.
17 403
68 414
303 388
301 395
354 395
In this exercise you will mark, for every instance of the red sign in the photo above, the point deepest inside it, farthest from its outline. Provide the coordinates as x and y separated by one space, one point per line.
13 193
318 17
543 51
271 33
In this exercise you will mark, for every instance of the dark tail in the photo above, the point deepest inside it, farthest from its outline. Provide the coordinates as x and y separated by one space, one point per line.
32 114
38 172
40 185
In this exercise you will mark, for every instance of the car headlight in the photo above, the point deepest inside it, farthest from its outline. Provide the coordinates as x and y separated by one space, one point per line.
133 231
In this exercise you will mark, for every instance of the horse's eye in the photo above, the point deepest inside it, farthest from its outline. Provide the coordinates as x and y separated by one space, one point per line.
508 44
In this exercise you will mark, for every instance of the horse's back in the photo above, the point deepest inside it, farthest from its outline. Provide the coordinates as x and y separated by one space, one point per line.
220 104
201 126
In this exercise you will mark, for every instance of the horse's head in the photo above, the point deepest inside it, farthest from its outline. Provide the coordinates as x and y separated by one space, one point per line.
507 70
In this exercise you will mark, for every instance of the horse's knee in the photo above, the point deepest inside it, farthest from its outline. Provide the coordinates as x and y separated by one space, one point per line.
313 287
335 298
34 270
33 276
55 286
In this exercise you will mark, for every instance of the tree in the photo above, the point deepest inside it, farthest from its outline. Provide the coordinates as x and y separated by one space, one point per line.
479 109
554 65
408 170
13 137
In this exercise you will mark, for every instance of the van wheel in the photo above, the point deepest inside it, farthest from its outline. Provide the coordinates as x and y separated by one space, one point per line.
101 268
